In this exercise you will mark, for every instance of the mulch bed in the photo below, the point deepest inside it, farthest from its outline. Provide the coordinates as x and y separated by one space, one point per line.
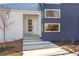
14 47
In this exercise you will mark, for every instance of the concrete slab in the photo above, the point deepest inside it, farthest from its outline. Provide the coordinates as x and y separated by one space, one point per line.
47 52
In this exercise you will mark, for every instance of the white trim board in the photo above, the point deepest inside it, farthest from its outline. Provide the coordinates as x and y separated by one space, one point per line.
26 11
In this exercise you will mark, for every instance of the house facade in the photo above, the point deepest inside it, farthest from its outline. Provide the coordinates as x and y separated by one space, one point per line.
51 22
26 18
65 16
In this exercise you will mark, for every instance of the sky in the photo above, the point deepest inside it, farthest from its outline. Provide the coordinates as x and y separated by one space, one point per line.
22 6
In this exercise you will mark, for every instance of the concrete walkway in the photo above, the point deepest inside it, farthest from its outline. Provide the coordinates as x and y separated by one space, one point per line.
34 46
54 51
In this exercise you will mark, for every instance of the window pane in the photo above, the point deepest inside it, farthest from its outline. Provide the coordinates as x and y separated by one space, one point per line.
29 23
29 29
52 13
29 26
29 20
52 27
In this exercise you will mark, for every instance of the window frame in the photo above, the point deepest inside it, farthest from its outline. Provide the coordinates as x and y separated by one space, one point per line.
51 31
52 10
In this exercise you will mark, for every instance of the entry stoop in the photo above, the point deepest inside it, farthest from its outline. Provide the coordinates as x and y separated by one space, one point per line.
34 46
37 45
34 42
31 38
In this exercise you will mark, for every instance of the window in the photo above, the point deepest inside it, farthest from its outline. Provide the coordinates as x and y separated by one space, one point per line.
52 27
52 13
29 25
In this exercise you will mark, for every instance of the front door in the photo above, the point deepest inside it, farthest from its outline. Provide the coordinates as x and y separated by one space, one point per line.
30 26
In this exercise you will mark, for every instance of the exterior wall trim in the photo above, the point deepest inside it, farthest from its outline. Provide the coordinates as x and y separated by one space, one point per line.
26 11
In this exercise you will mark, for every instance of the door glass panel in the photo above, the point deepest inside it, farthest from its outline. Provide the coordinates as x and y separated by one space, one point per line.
29 30
29 20
29 25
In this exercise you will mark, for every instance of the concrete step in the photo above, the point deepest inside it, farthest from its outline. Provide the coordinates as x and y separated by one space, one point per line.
36 43
38 46
31 35
29 38
32 40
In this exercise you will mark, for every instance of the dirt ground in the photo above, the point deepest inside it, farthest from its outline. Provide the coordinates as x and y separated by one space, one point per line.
15 51
17 47
72 47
